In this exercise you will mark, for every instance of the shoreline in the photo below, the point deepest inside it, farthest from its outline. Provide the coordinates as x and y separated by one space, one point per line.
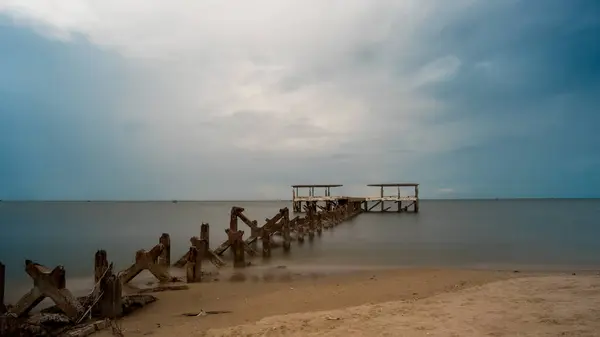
279 292
81 285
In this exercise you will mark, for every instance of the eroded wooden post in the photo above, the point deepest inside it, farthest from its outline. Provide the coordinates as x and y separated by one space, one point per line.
164 258
194 265
311 223
111 303
235 237
266 243
285 230
100 264
300 232
2 285
204 234
319 224
416 205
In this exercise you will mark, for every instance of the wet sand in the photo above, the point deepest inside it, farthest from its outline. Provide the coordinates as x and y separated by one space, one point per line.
407 302
264 293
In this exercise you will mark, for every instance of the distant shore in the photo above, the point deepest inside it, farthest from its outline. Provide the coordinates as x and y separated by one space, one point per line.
278 292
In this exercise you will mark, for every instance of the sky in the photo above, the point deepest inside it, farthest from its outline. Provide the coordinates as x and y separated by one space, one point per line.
231 100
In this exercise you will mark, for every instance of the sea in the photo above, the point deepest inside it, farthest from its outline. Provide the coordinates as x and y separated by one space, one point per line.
524 234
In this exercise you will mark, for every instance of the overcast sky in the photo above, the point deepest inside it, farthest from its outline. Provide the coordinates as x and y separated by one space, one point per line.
217 99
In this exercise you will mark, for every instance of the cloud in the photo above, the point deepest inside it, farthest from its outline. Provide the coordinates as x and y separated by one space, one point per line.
267 93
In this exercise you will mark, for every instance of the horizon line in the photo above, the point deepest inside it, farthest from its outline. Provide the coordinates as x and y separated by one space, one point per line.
276 200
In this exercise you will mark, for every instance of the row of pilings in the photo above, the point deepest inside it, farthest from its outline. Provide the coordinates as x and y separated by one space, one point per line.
72 316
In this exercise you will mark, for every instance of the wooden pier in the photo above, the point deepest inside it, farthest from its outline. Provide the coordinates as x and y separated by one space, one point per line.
404 201
325 202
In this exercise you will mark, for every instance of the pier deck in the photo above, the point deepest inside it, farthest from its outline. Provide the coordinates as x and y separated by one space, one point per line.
404 202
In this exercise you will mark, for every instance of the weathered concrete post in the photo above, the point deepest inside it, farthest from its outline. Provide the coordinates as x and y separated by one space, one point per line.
100 264
2 285
164 258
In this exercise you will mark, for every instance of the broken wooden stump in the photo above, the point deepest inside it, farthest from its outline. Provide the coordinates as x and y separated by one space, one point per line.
145 260
300 233
164 258
204 245
2 286
285 230
111 303
51 284
236 242
194 265
235 238
266 243
319 223
100 264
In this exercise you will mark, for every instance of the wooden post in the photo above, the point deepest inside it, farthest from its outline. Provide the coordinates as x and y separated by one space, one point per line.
165 256
416 206
285 230
111 303
205 234
319 224
311 223
300 232
235 239
2 285
266 243
194 266
399 201
100 264
382 203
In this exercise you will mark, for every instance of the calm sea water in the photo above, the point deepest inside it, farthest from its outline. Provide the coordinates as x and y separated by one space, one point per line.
546 234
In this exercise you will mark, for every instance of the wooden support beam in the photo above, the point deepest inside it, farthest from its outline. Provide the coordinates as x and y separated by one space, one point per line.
146 260
51 284
375 205
165 255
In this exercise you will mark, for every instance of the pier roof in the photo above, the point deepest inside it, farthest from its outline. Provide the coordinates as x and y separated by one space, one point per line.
301 186
396 184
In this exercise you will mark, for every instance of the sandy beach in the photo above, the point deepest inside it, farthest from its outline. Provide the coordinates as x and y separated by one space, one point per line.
407 302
